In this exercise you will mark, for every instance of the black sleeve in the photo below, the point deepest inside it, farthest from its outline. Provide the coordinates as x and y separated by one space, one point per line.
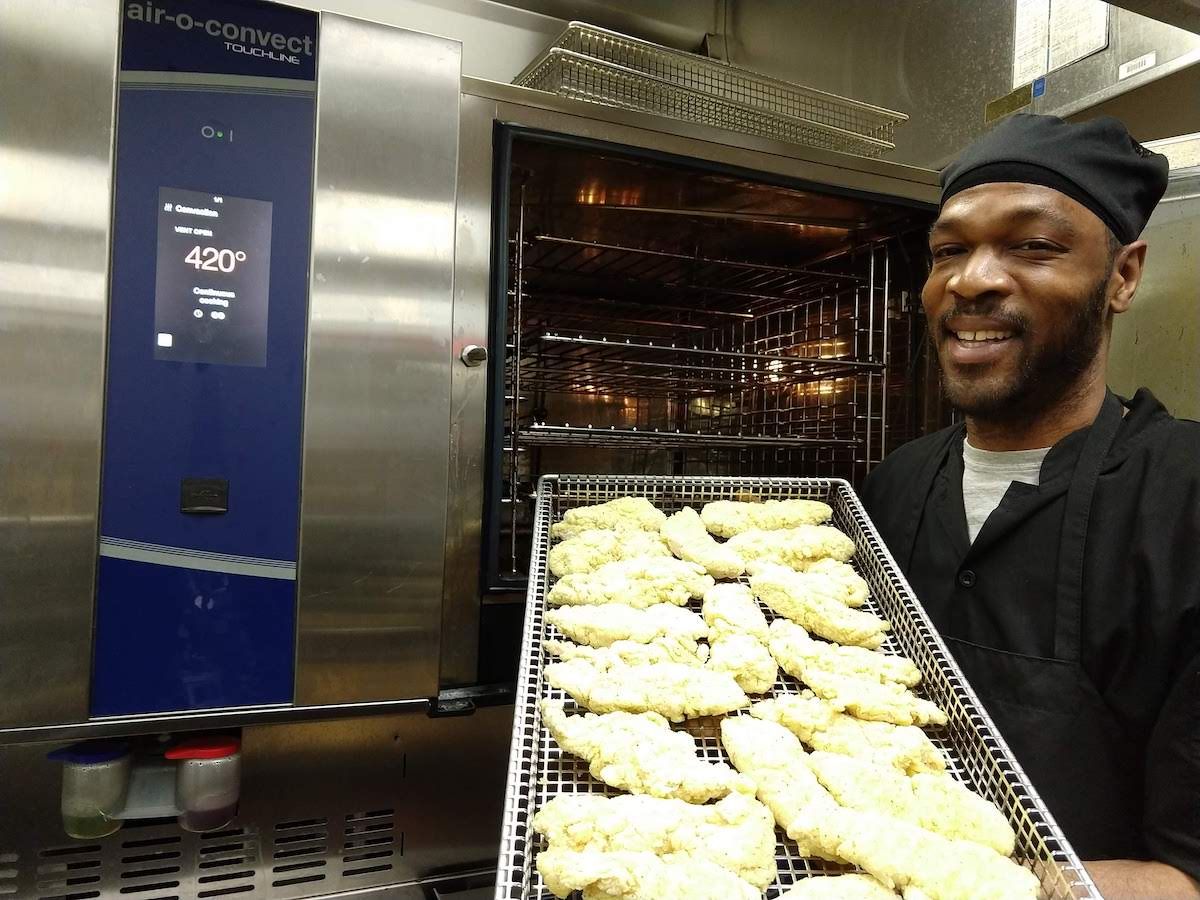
1172 819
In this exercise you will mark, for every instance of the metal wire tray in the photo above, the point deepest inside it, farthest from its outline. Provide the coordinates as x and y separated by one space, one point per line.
977 754
580 77
712 78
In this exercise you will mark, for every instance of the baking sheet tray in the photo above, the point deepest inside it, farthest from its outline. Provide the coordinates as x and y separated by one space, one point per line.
976 753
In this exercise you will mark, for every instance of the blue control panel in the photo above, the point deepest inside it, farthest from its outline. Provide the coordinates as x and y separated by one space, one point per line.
200 494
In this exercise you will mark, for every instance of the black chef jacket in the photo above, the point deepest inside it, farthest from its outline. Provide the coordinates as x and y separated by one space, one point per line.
1136 632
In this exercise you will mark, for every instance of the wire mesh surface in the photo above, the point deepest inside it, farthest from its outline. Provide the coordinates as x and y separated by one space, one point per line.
845 124
976 755
583 78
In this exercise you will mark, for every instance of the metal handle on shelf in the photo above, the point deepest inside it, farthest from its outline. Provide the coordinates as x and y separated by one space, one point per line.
473 355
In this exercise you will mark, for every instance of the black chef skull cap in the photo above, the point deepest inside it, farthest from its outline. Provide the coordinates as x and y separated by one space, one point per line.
1095 163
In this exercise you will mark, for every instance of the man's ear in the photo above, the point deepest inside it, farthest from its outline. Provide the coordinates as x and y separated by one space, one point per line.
1127 275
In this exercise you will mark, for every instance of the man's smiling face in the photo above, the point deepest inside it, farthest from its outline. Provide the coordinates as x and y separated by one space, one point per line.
1018 296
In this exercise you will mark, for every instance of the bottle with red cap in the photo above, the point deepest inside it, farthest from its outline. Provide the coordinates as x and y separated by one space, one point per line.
207 781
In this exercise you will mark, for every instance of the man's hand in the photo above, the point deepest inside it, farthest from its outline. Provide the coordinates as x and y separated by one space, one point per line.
1131 879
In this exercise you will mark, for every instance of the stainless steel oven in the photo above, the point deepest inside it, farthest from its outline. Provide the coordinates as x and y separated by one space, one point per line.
663 298
310 532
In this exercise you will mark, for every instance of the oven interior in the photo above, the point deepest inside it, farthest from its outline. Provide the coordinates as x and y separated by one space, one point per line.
662 316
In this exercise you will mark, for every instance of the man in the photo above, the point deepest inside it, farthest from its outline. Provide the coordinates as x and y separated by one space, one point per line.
1054 537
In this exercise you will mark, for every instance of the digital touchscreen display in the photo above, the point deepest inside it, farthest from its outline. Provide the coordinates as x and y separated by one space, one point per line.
212 278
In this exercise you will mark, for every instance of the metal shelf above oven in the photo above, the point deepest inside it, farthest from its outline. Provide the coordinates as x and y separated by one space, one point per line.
626 438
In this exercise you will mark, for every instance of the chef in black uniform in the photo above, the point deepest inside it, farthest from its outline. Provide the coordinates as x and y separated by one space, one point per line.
1054 536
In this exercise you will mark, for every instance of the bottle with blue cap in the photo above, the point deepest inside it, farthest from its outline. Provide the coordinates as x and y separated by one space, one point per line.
95 782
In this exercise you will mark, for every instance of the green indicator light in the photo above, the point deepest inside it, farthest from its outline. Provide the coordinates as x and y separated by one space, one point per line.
220 134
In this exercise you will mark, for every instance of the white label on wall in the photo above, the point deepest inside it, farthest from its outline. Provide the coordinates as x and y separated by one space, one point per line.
1030 41
1078 28
1141 64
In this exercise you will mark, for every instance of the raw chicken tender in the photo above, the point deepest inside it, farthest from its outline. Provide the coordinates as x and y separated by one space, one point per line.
631 653
746 659
793 547
639 583
688 539
869 698
622 514
676 691
639 875
591 549
797 653
838 887
803 599
935 802
640 753
823 727
731 609
736 833
599 626
725 518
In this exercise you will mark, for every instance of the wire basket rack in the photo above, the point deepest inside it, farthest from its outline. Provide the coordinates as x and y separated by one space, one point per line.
589 63
976 753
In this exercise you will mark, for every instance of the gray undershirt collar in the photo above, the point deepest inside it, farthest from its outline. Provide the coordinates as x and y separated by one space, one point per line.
987 475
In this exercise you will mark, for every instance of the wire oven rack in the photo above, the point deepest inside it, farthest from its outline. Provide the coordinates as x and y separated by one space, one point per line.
974 748
602 66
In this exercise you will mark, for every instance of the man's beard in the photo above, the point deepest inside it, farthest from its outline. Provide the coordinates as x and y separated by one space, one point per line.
1044 374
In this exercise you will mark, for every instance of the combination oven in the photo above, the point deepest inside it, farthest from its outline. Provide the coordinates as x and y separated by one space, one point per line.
292 318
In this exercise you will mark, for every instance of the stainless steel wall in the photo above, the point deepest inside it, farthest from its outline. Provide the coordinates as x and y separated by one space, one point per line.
377 415
1157 342
941 61
56 120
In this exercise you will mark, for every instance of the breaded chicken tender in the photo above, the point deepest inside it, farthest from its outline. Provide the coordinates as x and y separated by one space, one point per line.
771 757
838 887
842 582
731 609
804 599
725 518
903 856
639 583
871 699
622 514
676 691
736 833
639 875
599 626
591 549
797 653
823 727
640 753
894 851
688 539
747 659
631 653
792 547
935 802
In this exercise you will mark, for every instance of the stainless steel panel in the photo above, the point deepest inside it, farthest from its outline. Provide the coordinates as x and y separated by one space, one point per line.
373 514
468 397
327 809
57 89
1157 342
